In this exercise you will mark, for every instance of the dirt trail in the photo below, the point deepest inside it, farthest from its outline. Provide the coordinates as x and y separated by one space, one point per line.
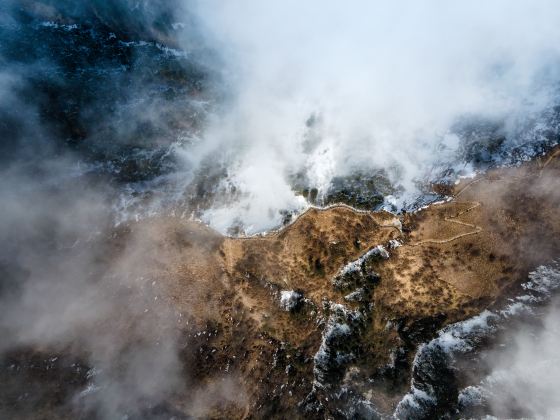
554 155
477 229
451 219
275 232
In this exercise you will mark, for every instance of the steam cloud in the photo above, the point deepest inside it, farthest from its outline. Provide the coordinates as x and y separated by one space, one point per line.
325 89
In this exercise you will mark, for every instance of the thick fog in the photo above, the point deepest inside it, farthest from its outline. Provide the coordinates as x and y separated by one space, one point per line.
525 377
322 89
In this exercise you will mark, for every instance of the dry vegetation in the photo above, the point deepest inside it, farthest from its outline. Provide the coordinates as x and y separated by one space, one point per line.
456 258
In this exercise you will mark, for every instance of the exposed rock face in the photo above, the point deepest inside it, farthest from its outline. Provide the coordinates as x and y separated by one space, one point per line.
363 191
335 351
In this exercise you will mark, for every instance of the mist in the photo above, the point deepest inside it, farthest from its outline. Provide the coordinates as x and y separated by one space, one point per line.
319 90
66 288
518 373
115 111
81 117
524 377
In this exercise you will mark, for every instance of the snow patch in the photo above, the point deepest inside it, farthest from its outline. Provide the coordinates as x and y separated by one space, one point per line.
356 265
330 357
290 299
357 295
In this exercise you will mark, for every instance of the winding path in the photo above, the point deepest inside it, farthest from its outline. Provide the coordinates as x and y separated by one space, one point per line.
477 229
550 159
451 219
275 232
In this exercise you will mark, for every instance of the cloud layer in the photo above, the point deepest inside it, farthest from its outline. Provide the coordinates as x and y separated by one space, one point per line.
324 89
